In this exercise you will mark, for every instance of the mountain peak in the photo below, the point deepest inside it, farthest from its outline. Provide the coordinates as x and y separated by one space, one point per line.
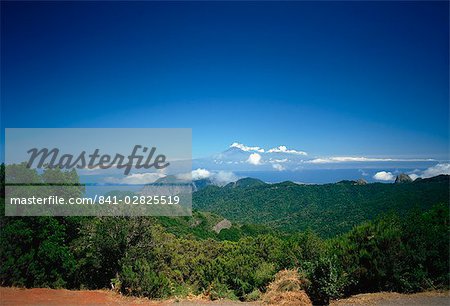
402 178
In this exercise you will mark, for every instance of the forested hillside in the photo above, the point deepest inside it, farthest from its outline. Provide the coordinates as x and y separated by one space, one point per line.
328 209
160 257
204 225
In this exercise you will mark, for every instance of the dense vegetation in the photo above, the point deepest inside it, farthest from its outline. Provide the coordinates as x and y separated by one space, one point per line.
201 225
328 209
161 257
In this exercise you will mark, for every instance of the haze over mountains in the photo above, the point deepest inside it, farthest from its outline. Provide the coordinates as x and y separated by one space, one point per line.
279 164
241 157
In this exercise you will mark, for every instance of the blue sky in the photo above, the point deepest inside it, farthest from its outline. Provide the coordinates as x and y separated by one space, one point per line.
329 78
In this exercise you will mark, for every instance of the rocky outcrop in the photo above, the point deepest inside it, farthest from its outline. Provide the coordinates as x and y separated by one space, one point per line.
247 182
348 182
403 178
224 224
361 182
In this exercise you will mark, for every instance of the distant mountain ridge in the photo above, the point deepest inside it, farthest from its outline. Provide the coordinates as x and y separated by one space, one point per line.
245 183
328 209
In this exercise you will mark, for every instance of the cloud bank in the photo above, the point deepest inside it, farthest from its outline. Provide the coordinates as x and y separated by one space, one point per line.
279 149
246 148
284 149
346 159
443 168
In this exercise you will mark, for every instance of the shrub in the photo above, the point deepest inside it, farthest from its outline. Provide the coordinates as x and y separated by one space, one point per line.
263 274
218 291
140 279
327 280
34 253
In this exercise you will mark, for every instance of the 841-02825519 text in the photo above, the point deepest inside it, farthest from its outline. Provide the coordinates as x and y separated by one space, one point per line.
101 200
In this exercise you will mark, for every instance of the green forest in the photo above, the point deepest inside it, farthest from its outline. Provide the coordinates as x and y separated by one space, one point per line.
328 209
381 237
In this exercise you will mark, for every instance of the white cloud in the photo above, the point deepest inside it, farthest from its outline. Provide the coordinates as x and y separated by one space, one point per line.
384 176
413 176
217 177
136 178
443 168
197 174
344 159
246 148
200 173
278 167
224 177
254 159
284 149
